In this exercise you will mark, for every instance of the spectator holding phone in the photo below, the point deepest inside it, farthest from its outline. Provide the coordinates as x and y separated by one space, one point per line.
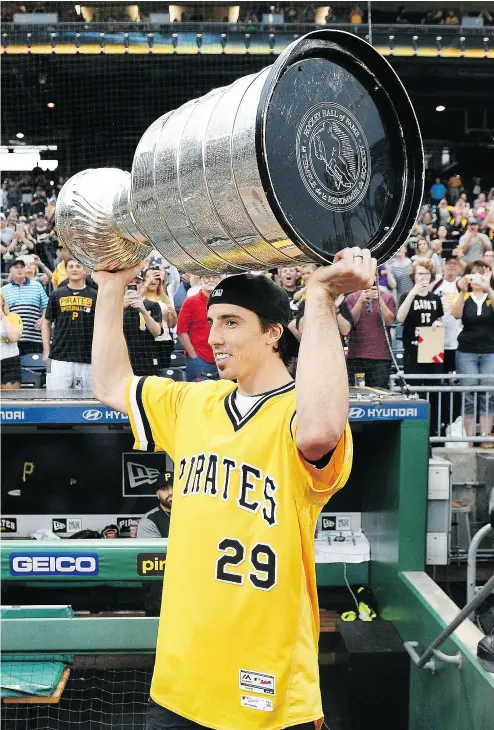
154 289
368 350
141 324
473 244
447 289
419 308
475 353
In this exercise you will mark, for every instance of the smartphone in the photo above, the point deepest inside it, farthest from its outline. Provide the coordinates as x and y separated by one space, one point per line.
132 287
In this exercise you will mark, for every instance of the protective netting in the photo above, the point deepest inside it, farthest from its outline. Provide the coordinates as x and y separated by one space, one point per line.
80 94
93 699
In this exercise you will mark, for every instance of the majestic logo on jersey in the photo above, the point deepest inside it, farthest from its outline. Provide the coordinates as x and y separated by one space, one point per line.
208 474
333 156
259 682
139 474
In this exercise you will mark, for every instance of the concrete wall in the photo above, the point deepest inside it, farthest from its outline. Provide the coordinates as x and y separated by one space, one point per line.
473 482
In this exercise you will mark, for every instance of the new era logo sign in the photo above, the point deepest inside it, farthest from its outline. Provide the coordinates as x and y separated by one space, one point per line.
59 525
143 477
139 474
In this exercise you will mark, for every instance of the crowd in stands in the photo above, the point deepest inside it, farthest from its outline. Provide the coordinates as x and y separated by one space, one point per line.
440 278
253 12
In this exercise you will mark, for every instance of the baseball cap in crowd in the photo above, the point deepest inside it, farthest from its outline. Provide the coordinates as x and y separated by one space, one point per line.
473 222
449 256
110 531
485 652
18 262
260 295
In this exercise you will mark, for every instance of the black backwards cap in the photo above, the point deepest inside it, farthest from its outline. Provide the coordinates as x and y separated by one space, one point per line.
260 295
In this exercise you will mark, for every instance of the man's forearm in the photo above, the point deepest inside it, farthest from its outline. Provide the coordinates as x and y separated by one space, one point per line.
188 346
321 381
45 335
154 327
405 307
110 358
388 314
357 309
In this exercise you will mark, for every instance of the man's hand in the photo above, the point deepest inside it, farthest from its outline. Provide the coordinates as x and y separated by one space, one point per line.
118 278
353 269
463 284
46 355
38 323
486 280
369 294
137 303
420 289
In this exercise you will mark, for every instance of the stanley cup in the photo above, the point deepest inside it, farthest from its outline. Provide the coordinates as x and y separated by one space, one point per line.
317 152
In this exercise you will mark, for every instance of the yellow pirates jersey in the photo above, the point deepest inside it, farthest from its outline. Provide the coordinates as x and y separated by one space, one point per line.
239 627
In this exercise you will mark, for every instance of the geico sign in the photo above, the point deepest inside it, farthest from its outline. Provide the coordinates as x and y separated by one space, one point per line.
21 564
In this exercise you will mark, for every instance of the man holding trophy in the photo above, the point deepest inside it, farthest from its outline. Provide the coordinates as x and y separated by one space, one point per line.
316 159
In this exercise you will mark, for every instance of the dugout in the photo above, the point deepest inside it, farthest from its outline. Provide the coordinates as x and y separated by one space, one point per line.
386 496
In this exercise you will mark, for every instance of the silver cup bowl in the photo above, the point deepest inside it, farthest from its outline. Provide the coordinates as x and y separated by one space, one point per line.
95 223
317 152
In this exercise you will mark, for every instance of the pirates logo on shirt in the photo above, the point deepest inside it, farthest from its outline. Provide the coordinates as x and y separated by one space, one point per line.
333 156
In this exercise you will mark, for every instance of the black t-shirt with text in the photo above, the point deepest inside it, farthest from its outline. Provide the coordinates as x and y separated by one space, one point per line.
477 334
424 311
143 350
72 312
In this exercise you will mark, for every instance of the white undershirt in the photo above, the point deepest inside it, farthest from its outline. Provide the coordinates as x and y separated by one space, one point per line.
245 402
479 302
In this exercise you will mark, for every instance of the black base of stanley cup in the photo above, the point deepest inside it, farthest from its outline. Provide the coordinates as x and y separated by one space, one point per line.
339 147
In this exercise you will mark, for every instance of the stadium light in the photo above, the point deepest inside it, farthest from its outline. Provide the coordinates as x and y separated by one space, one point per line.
440 108
51 105
19 135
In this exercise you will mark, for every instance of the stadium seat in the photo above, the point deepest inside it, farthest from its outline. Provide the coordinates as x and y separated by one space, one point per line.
177 360
175 374
33 361
178 346
31 378
33 371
